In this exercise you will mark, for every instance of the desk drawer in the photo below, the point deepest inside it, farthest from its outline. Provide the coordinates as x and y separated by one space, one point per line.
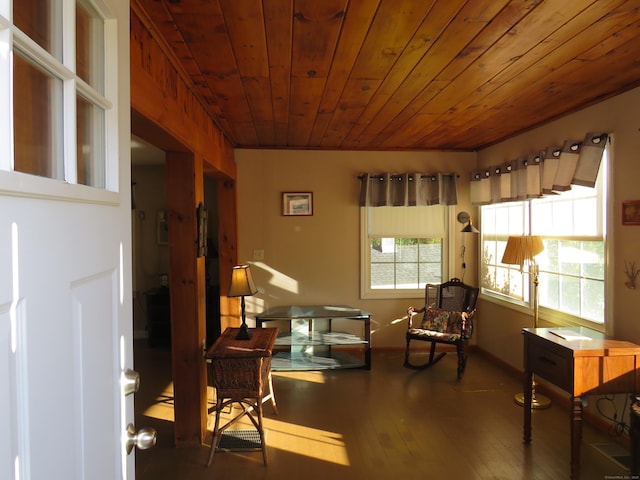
552 364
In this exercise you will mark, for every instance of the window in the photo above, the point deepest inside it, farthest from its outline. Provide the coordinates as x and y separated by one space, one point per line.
403 248
572 266
57 90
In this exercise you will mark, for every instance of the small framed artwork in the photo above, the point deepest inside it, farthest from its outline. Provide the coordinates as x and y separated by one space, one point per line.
297 203
162 228
631 212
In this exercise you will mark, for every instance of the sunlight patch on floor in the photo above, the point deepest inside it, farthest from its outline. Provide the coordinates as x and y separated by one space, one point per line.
314 377
162 406
318 444
300 440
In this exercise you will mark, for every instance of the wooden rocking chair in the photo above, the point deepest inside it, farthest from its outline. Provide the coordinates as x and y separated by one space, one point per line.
448 319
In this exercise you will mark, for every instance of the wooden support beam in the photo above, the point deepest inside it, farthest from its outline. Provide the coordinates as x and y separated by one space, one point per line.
185 191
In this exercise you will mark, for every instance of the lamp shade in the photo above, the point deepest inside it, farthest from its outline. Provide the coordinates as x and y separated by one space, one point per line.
242 282
521 250
469 228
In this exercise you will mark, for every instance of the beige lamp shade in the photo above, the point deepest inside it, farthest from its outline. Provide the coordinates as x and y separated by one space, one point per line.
242 282
522 250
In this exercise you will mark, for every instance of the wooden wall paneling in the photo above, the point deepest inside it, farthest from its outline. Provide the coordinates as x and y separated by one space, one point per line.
185 191
168 111
163 92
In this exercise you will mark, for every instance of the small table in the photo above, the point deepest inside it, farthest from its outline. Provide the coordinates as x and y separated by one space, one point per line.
241 373
582 362
311 347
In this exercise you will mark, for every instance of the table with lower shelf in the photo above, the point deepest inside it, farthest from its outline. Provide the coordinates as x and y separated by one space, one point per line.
311 341
581 362
241 375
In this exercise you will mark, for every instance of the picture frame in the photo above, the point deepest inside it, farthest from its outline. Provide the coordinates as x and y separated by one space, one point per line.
162 228
631 212
297 203
203 217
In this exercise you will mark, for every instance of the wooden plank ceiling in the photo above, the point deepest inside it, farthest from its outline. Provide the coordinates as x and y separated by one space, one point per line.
398 74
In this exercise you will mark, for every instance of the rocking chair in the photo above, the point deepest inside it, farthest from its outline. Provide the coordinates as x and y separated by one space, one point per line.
448 319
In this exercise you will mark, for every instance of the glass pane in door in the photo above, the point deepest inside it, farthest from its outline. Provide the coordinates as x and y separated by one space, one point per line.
90 144
41 21
38 121
90 46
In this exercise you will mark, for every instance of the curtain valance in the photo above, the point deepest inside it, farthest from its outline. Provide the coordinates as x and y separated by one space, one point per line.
408 189
550 171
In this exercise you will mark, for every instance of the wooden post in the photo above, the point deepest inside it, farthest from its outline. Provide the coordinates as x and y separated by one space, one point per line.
187 286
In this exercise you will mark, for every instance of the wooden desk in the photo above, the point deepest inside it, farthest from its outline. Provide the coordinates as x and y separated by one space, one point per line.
241 373
594 366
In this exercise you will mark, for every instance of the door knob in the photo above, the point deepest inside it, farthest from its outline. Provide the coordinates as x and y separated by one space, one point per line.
143 439
130 381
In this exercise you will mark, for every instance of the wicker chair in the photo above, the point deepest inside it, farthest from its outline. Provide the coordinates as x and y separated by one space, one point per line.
448 319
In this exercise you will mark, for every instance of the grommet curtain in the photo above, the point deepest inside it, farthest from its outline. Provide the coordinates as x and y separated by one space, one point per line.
547 172
408 189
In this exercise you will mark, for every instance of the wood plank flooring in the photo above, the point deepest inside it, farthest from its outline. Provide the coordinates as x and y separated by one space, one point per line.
389 422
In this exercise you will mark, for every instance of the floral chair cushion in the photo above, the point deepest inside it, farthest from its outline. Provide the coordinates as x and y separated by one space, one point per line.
447 322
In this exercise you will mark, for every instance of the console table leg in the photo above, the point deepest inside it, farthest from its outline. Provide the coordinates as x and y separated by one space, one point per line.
634 415
528 396
576 436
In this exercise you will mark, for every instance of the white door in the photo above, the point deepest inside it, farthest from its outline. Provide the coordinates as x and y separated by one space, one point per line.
65 241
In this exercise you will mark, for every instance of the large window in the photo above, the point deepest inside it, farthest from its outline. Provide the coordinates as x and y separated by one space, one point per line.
403 248
572 266
57 88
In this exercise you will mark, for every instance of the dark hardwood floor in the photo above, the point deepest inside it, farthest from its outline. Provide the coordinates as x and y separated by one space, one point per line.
389 422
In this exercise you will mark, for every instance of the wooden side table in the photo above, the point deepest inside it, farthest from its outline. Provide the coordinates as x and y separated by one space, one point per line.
582 362
241 373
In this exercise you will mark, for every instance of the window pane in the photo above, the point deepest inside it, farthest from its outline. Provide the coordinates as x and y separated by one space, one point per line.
40 21
405 263
89 46
37 99
90 144
382 275
407 275
549 291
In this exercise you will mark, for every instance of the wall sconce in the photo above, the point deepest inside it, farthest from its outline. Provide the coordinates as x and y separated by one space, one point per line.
464 217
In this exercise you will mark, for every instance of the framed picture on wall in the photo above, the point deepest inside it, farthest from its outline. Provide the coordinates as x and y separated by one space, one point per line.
631 212
297 203
162 228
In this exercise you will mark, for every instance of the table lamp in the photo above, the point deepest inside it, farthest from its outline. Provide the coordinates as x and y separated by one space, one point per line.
522 250
241 286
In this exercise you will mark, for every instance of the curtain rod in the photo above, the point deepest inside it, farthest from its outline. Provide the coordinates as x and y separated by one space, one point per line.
431 176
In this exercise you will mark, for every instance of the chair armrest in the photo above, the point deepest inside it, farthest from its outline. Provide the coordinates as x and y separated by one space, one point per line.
410 313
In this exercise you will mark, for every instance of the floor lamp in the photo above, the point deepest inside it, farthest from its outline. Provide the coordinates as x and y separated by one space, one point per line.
522 250
242 285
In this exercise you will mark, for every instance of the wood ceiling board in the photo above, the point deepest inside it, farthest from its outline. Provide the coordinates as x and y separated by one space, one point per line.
507 85
305 97
279 26
316 29
426 36
354 28
546 96
388 66
458 34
